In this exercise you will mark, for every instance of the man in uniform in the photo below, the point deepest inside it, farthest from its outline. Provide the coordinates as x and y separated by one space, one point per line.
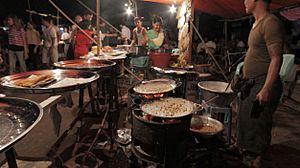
261 65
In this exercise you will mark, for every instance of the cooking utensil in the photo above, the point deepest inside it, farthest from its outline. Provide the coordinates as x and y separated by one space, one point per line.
210 89
84 64
155 86
66 80
199 121
17 117
170 107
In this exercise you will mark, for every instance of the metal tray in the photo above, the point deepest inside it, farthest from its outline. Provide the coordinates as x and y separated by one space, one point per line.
80 79
82 64
171 71
157 82
17 117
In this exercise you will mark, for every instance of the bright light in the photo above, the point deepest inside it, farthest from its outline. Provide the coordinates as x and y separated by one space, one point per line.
126 4
172 9
128 11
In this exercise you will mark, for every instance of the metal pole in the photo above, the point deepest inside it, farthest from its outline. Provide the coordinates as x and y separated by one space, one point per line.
57 18
98 25
29 7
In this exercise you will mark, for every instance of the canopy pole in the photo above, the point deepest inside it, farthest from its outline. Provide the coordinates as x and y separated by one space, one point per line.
29 7
191 29
98 26
226 34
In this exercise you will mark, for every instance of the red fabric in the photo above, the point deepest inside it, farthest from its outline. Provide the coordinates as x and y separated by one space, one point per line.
228 8
82 43
292 14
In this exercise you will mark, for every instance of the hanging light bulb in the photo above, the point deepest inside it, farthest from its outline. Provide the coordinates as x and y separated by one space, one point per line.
128 11
172 9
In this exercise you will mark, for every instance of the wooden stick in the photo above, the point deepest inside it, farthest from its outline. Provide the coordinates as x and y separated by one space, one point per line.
209 53
139 79
98 26
57 8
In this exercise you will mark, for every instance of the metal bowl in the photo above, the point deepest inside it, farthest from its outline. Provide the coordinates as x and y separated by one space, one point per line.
200 121
216 93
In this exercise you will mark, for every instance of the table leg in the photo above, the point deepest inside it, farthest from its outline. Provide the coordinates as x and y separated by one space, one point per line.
11 158
91 98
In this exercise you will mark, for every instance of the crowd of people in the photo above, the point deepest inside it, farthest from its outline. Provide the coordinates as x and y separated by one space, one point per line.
34 49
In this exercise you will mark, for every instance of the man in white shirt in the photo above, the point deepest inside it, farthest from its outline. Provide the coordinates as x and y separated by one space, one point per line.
211 46
66 37
50 51
125 33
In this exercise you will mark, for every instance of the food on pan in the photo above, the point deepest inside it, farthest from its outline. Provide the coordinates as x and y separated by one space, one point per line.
33 80
107 49
94 50
205 129
154 87
169 107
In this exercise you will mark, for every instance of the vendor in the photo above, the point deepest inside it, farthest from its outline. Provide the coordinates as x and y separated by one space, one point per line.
139 33
82 41
156 36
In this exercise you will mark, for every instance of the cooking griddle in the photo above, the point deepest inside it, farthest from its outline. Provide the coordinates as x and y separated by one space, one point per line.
65 80
85 64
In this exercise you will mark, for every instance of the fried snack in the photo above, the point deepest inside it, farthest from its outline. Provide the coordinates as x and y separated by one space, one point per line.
107 49
32 80
94 50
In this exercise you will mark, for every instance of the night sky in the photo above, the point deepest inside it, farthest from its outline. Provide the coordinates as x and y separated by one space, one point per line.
111 10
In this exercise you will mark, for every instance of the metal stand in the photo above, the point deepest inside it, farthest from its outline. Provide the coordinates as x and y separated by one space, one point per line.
11 158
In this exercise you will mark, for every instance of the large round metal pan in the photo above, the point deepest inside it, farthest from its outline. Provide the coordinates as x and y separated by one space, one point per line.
17 117
170 107
85 64
65 80
155 86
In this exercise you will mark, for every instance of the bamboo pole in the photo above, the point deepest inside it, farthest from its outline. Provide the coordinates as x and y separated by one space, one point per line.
209 53
98 26
67 17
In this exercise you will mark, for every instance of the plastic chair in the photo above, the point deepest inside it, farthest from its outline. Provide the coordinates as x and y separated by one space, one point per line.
287 64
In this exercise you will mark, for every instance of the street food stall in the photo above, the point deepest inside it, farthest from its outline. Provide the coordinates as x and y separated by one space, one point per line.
165 126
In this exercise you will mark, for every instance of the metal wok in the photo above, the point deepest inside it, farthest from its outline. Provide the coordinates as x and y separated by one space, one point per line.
199 121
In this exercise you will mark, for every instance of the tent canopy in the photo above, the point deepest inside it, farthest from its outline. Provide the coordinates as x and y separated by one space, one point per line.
227 8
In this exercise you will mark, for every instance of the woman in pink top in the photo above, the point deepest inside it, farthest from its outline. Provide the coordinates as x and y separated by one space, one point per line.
17 43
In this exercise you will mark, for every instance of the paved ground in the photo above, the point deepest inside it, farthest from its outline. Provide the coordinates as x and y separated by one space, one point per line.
284 152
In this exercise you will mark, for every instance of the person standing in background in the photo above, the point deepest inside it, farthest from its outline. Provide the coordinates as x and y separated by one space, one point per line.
33 39
125 34
17 43
66 37
70 54
156 36
262 91
82 42
139 33
50 51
